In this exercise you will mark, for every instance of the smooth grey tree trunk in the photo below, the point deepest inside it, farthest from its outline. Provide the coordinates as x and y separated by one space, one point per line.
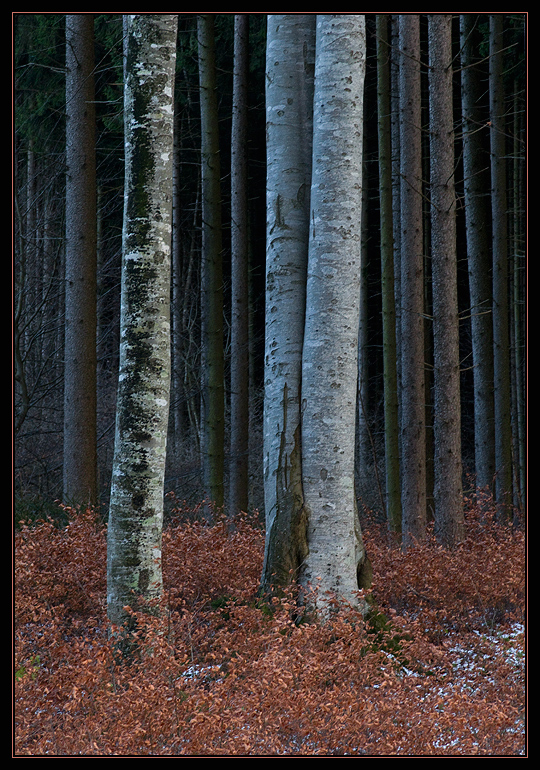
239 431
477 213
137 494
413 443
213 362
448 495
290 61
336 555
80 367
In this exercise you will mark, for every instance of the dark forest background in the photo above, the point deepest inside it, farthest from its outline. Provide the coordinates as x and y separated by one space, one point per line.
39 184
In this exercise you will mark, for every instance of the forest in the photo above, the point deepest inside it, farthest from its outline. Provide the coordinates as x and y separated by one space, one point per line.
270 384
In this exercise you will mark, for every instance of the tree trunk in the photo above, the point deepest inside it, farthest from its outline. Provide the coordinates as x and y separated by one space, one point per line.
289 99
391 419
177 408
395 132
136 505
446 376
501 331
413 446
213 399
80 443
336 556
519 274
476 191
239 440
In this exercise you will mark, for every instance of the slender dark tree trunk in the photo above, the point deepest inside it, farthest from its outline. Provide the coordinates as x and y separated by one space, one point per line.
413 444
213 364
519 290
477 214
80 445
391 427
501 321
177 421
396 196
239 446
447 402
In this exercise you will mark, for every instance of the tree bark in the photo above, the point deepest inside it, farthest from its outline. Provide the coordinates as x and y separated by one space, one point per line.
80 367
519 293
501 321
239 437
477 213
449 526
289 98
336 557
213 364
391 417
413 446
395 132
136 504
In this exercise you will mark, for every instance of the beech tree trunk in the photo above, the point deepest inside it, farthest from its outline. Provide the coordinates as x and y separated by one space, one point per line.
137 494
289 98
336 557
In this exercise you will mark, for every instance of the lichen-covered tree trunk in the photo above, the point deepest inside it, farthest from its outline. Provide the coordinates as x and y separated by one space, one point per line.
80 447
447 412
136 502
289 98
336 556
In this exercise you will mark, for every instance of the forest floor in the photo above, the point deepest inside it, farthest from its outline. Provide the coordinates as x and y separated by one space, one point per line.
437 669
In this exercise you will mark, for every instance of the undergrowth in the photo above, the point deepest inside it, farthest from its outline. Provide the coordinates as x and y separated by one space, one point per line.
436 669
